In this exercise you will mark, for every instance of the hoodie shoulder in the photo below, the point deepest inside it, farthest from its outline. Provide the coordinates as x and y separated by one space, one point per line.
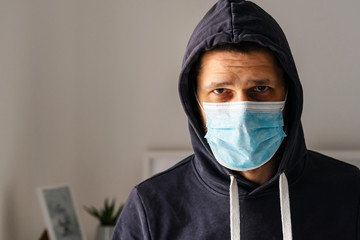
332 164
332 174
165 178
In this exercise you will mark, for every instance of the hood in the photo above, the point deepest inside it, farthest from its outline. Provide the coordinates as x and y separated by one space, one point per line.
232 22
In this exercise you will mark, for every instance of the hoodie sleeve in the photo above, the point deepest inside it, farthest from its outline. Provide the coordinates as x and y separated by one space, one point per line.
132 223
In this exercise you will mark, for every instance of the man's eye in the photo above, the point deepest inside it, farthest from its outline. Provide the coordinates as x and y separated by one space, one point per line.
219 91
260 89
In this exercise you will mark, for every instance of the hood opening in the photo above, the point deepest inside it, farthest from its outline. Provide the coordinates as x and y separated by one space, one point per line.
236 22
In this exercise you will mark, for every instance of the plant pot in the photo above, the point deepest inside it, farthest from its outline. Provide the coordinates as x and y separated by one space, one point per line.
104 232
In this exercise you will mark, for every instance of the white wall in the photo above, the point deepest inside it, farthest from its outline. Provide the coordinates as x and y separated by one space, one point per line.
16 123
87 86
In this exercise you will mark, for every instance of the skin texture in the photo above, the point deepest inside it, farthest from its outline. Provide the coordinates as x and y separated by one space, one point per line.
230 76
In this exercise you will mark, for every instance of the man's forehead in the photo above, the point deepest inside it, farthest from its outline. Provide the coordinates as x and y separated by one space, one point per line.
256 67
217 60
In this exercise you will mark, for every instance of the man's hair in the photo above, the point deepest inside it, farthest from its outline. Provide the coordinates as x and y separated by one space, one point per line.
243 47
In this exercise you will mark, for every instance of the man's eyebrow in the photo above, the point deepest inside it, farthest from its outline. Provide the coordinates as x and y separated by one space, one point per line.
259 82
219 84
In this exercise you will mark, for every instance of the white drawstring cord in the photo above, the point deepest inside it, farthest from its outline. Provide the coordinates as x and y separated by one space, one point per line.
234 210
285 207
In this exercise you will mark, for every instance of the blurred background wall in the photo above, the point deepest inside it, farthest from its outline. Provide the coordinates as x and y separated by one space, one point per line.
88 86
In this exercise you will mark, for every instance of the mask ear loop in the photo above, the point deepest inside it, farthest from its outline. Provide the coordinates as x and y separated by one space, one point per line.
199 102
286 95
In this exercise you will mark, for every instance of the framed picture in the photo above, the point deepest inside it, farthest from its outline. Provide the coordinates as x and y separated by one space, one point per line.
157 161
60 214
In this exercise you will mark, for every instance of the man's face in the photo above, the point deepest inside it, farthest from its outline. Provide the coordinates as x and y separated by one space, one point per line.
229 76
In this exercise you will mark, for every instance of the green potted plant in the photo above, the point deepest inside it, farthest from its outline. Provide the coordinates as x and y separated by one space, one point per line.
107 217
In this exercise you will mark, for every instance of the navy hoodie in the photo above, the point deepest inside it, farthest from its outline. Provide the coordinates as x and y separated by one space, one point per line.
191 200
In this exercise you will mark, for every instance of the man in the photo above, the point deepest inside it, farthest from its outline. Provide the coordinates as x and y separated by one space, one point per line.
251 176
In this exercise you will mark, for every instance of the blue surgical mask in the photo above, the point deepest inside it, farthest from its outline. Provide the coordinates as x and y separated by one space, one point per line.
244 135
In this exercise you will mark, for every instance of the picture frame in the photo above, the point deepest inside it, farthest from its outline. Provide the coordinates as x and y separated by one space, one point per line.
60 213
160 160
